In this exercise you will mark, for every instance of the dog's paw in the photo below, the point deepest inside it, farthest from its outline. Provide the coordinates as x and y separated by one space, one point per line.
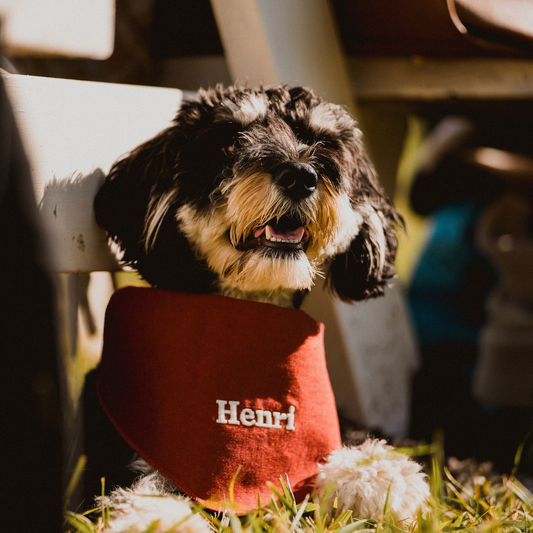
368 478
135 509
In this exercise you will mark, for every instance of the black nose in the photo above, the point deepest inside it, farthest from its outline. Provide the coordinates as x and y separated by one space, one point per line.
298 180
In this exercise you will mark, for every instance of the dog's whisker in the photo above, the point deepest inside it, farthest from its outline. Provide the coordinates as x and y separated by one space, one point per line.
320 274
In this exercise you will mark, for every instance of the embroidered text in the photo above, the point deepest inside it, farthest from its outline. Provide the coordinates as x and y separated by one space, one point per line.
228 413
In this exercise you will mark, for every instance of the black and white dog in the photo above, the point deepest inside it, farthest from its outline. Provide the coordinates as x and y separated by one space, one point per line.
251 194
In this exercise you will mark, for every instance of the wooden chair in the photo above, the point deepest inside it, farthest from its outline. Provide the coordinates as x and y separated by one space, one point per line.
72 132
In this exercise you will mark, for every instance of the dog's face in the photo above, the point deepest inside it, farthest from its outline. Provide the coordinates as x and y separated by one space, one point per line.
251 193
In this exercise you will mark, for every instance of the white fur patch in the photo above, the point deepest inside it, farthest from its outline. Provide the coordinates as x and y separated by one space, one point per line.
251 108
322 119
149 501
347 228
363 477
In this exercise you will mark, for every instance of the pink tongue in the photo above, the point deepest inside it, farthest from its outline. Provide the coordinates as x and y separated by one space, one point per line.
290 234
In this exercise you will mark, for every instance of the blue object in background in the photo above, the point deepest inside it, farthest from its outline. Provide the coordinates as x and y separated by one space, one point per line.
450 284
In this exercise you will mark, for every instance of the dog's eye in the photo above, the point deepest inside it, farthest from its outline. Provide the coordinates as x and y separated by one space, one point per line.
229 151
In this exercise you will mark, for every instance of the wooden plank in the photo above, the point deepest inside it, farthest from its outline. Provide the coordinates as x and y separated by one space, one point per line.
438 79
240 22
275 41
70 129
71 28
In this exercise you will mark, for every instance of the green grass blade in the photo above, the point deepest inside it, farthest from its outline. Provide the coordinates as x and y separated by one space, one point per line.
520 451
106 512
354 526
153 526
300 513
287 491
75 478
80 522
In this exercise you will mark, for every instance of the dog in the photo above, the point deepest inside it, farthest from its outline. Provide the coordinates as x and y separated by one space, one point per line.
251 194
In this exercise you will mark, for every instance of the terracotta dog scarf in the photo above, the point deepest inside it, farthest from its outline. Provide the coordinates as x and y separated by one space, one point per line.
205 387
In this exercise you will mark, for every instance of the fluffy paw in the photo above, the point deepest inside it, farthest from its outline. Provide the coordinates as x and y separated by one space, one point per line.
362 477
134 510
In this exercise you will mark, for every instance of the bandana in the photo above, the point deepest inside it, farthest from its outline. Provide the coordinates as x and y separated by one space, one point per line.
213 391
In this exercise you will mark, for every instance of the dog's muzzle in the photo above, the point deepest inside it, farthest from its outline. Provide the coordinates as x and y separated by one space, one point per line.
287 233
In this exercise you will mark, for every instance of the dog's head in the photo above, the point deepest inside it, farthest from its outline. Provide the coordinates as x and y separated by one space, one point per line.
252 192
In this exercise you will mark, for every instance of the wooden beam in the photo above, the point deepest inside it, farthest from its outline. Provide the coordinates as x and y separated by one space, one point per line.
438 79
70 129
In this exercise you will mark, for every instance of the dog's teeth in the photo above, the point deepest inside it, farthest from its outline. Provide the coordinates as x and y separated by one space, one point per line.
268 236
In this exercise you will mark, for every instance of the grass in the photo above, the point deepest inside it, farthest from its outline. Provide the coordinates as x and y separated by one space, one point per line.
478 503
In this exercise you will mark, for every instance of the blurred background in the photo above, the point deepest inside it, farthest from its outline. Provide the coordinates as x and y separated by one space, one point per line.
443 91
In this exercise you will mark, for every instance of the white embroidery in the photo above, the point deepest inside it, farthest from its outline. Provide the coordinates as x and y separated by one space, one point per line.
278 417
259 417
290 419
232 412
247 417
264 419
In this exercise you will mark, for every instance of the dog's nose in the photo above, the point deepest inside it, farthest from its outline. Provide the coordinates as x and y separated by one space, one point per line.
298 180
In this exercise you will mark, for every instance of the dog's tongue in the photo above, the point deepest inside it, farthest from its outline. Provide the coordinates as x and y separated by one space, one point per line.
285 234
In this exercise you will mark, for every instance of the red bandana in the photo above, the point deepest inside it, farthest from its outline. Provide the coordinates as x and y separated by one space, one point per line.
202 386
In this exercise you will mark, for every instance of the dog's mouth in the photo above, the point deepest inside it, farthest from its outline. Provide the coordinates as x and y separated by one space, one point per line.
287 234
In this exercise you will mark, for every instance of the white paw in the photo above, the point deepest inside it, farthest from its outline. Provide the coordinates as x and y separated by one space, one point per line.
134 509
363 477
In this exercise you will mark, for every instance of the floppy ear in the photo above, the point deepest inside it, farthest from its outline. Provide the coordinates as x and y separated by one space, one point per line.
364 270
121 204
137 206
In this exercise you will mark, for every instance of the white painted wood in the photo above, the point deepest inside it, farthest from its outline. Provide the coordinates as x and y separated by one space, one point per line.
245 42
72 132
75 242
371 353
71 126
71 28
370 349
280 41
69 130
